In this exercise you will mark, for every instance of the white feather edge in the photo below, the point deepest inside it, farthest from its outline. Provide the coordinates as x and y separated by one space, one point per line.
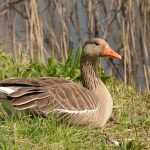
7 90
76 111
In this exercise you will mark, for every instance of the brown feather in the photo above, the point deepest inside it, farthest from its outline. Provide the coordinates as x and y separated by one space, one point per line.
62 96
25 106
41 81
91 104
30 97
25 91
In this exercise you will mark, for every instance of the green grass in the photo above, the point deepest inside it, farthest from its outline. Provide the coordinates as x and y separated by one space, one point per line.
127 129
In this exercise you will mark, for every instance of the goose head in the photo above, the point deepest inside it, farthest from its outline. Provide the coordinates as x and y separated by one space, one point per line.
97 47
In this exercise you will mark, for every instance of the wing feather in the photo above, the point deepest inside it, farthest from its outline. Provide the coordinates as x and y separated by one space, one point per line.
25 91
66 99
31 97
67 96
25 106
27 82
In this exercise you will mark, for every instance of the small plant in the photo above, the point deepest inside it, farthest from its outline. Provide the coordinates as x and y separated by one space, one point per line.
68 69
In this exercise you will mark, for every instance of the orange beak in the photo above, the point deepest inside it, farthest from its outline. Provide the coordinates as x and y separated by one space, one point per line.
108 52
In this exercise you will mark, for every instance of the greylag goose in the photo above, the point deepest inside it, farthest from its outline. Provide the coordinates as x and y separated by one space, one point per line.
90 104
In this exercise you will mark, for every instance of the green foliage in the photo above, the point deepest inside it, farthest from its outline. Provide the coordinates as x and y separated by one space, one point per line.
34 69
8 66
69 68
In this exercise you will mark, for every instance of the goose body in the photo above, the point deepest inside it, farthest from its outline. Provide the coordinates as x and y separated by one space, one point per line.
90 104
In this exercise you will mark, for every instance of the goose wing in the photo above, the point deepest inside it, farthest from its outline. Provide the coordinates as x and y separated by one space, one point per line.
40 81
66 99
63 97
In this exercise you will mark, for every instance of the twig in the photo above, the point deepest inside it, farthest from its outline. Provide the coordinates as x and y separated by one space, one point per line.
8 5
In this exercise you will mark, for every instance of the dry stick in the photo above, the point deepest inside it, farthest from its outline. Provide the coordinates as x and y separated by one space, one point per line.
71 15
64 46
132 48
143 44
36 33
64 27
27 38
8 5
118 72
86 9
118 19
147 75
146 78
67 17
125 54
39 34
99 25
128 58
63 38
127 43
62 35
14 36
61 46
31 30
134 37
51 28
52 45
55 39
48 5
145 54
64 31
32 37
10 37
5 31
20 13
129 70
102 3
146 64
89 17
28 29
96 22
77 23
108 25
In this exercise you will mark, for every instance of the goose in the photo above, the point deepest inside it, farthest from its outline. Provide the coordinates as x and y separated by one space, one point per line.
86 104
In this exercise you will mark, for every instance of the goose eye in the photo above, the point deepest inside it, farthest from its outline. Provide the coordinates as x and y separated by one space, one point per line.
96 43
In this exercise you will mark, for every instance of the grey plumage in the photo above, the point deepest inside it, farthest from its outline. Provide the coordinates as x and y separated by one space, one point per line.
67 100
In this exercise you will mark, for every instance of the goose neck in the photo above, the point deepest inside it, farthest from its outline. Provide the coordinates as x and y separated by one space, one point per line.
89 76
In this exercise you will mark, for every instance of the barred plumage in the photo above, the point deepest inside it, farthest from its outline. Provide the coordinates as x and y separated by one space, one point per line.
78 105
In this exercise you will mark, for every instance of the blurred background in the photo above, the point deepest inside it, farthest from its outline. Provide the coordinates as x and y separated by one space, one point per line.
42 28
